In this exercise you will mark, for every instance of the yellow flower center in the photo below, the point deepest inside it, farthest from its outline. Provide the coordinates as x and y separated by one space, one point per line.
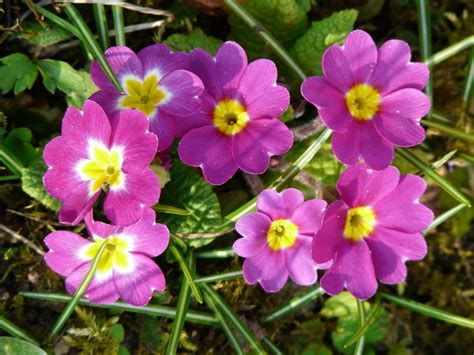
360 223
282 234
143 95
104 167
230 117
115 255
363 101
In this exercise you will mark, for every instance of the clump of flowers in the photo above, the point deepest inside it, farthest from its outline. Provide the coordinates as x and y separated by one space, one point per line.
237 126
155 82
277 239
125 270
370 98
91 156
372 230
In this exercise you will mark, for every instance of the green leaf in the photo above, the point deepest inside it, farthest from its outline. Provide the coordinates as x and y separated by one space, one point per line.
18 142
16 331
42 34
285 19
189 191
18 73
10 345
118 332
196 39
343 307
76 84
309 49
32 184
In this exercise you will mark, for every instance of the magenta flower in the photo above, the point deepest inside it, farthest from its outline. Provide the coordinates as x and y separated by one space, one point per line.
125 269
370 98
237 126
372 230
91 155
277 239
154 82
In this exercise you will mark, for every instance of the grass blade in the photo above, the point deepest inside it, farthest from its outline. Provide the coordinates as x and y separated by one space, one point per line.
186 272
11 162
63 318
117 14
429 311
295 303
216 254
449 130
181 310
237 9
14 330
10 177
56 19
272 347
444 159
225 327
220 277
444 217
365 327
101 25
450 51
150 310
424 31
234 318
359 350
433 175
171 210
89 41
469 83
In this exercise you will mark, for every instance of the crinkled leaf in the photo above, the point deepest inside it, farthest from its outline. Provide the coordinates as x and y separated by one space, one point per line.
344 308
42 34
285 19
10 345
188 190
196 39
76 84
18 142
309 49
32 184
17 73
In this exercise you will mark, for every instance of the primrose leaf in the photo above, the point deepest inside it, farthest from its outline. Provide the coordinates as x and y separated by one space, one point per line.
196 39
10 345
76 84
188 190
18 142
285 19
309 49
42 34
32 184
17 73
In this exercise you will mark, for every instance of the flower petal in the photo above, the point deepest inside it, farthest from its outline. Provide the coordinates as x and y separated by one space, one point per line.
253 147
163 125
130 132
253 227
300 264
330 102
353 269
337 69
206 148
77 204
407 103
326 241
377 151
109 101
309 216
231 62
62 256
160 59
414 75
278 205
136 288
274 274
97 228
399 130
361 52
185 88
346 146
403 216
204 66
199 119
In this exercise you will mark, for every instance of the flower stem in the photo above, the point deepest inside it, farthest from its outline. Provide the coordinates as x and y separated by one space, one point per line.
101 25
359 350
450 51
117 13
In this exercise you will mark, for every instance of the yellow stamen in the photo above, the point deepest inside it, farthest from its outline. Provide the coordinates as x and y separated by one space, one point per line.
114 256
230 117
360 223
143 95
363 101
282 234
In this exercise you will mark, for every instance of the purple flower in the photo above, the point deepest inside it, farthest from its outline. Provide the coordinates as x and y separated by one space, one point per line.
91 155
277 239
372 230
370 98
237 126
125 269
154 82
